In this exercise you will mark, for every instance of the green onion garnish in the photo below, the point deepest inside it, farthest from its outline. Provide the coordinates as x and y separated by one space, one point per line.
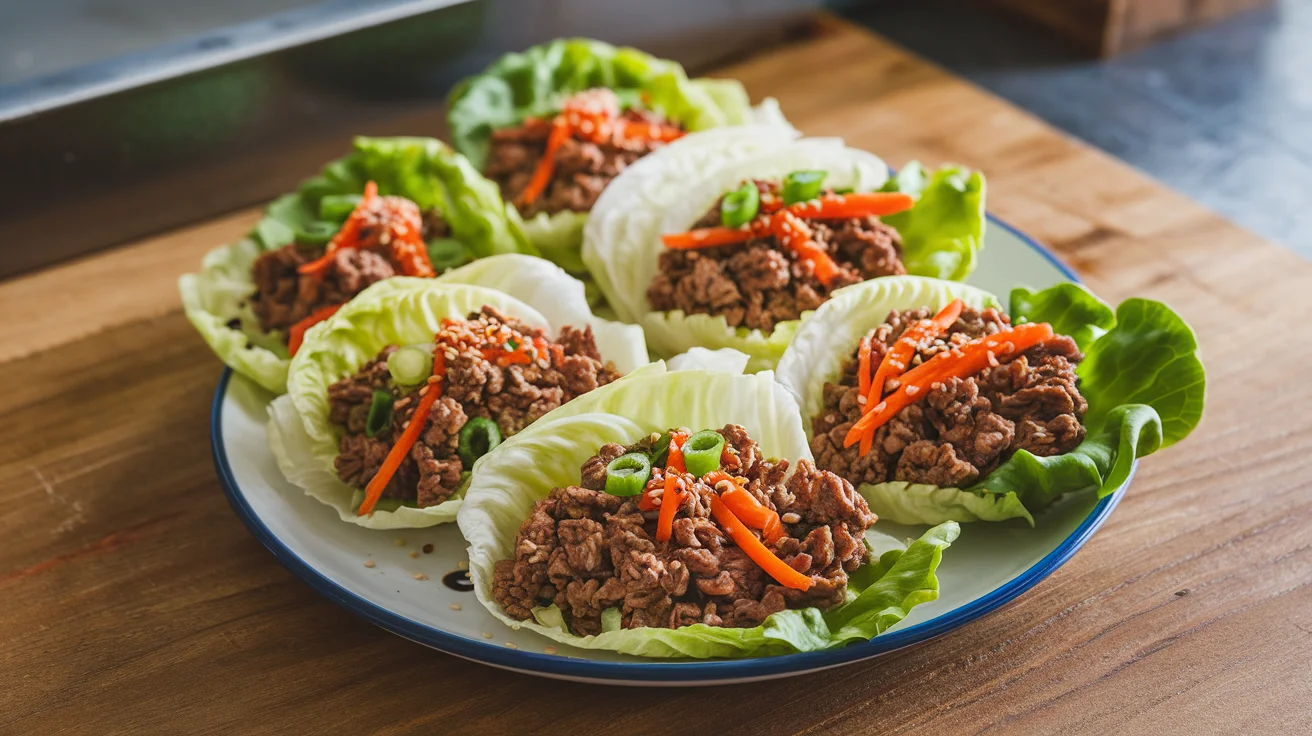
337 207
380 414
701 453
740 206
802 186
627 475
478 437
410 365
661 449
316 233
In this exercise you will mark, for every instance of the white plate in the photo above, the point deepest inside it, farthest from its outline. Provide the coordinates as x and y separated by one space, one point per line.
387 578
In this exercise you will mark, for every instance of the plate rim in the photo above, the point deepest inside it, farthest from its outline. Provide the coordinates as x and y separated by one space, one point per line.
678 672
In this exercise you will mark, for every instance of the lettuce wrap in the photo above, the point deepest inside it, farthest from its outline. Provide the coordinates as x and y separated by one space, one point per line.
535 83
1141 377
525 468
407 311
420 169
670 190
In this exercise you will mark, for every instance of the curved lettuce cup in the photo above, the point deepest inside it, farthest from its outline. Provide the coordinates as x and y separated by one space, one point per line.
525 468
421 169
1141 377
535 82
670 190
401 311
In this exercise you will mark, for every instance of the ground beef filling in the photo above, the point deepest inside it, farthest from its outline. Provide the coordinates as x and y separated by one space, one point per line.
583 168
284 297
759 284
966 427
513 396
587 551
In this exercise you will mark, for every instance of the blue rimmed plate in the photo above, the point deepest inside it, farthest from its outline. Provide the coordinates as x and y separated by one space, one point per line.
413 582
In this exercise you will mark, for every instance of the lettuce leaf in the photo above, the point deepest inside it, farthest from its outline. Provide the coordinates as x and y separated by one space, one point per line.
1141 377
420 169
401 311
525 468
944 231
535 82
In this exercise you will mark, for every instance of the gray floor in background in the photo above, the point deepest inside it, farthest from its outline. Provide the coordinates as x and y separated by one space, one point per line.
1223 114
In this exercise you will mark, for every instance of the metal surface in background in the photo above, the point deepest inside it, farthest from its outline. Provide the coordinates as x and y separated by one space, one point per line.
99 154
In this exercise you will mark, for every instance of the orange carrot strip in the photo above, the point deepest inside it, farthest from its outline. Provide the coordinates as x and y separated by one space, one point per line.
898 358
857 204
706 237
347 235
639 131
964 361
672 497
401 449
863 366
758 552
560 130
296 335
745 506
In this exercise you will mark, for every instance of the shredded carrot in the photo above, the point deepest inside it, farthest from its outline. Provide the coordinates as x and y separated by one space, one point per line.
296 335
758 552
640 131
706 237
560 131
347 235
856 204
913 338
672 497
745 506
794 234
401 449
961 362
863 366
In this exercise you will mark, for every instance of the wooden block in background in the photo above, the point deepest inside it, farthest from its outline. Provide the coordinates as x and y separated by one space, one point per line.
1110 27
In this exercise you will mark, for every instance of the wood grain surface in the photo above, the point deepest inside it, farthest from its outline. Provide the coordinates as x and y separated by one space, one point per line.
132 600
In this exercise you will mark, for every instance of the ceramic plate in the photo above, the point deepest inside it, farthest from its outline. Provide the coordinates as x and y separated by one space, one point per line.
413 583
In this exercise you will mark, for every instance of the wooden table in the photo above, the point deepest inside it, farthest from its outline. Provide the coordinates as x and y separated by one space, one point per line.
133 600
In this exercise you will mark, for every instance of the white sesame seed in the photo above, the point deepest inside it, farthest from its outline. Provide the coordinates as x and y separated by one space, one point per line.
455 606
487 635
512 645
881 406
419 576
398 542
414 554
913 390
790 518
368 563
549 650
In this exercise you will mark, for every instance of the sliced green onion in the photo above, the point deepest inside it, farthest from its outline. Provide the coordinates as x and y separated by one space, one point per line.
802 186
316 233
447 253
380 414
337 207
660 450
627 475
410 365
740 206
701 453
478 437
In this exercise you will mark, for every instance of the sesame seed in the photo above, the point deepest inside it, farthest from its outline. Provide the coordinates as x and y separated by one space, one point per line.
549 650
881 406
656 501
512 645
419 576
790 518
398 542
936 386
462 565
454 606
368 563
487 635
414 554
913 390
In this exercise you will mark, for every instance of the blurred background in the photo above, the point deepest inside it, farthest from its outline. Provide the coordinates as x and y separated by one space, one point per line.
122 118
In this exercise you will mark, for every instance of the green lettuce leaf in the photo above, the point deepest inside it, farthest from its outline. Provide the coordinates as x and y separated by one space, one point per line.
535 82
420 169
525 468
1141 377
402 311
943 233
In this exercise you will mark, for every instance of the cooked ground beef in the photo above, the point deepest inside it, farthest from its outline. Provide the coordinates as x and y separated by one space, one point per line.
513 396
586 550
759 284
583 168
964 429
284 297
